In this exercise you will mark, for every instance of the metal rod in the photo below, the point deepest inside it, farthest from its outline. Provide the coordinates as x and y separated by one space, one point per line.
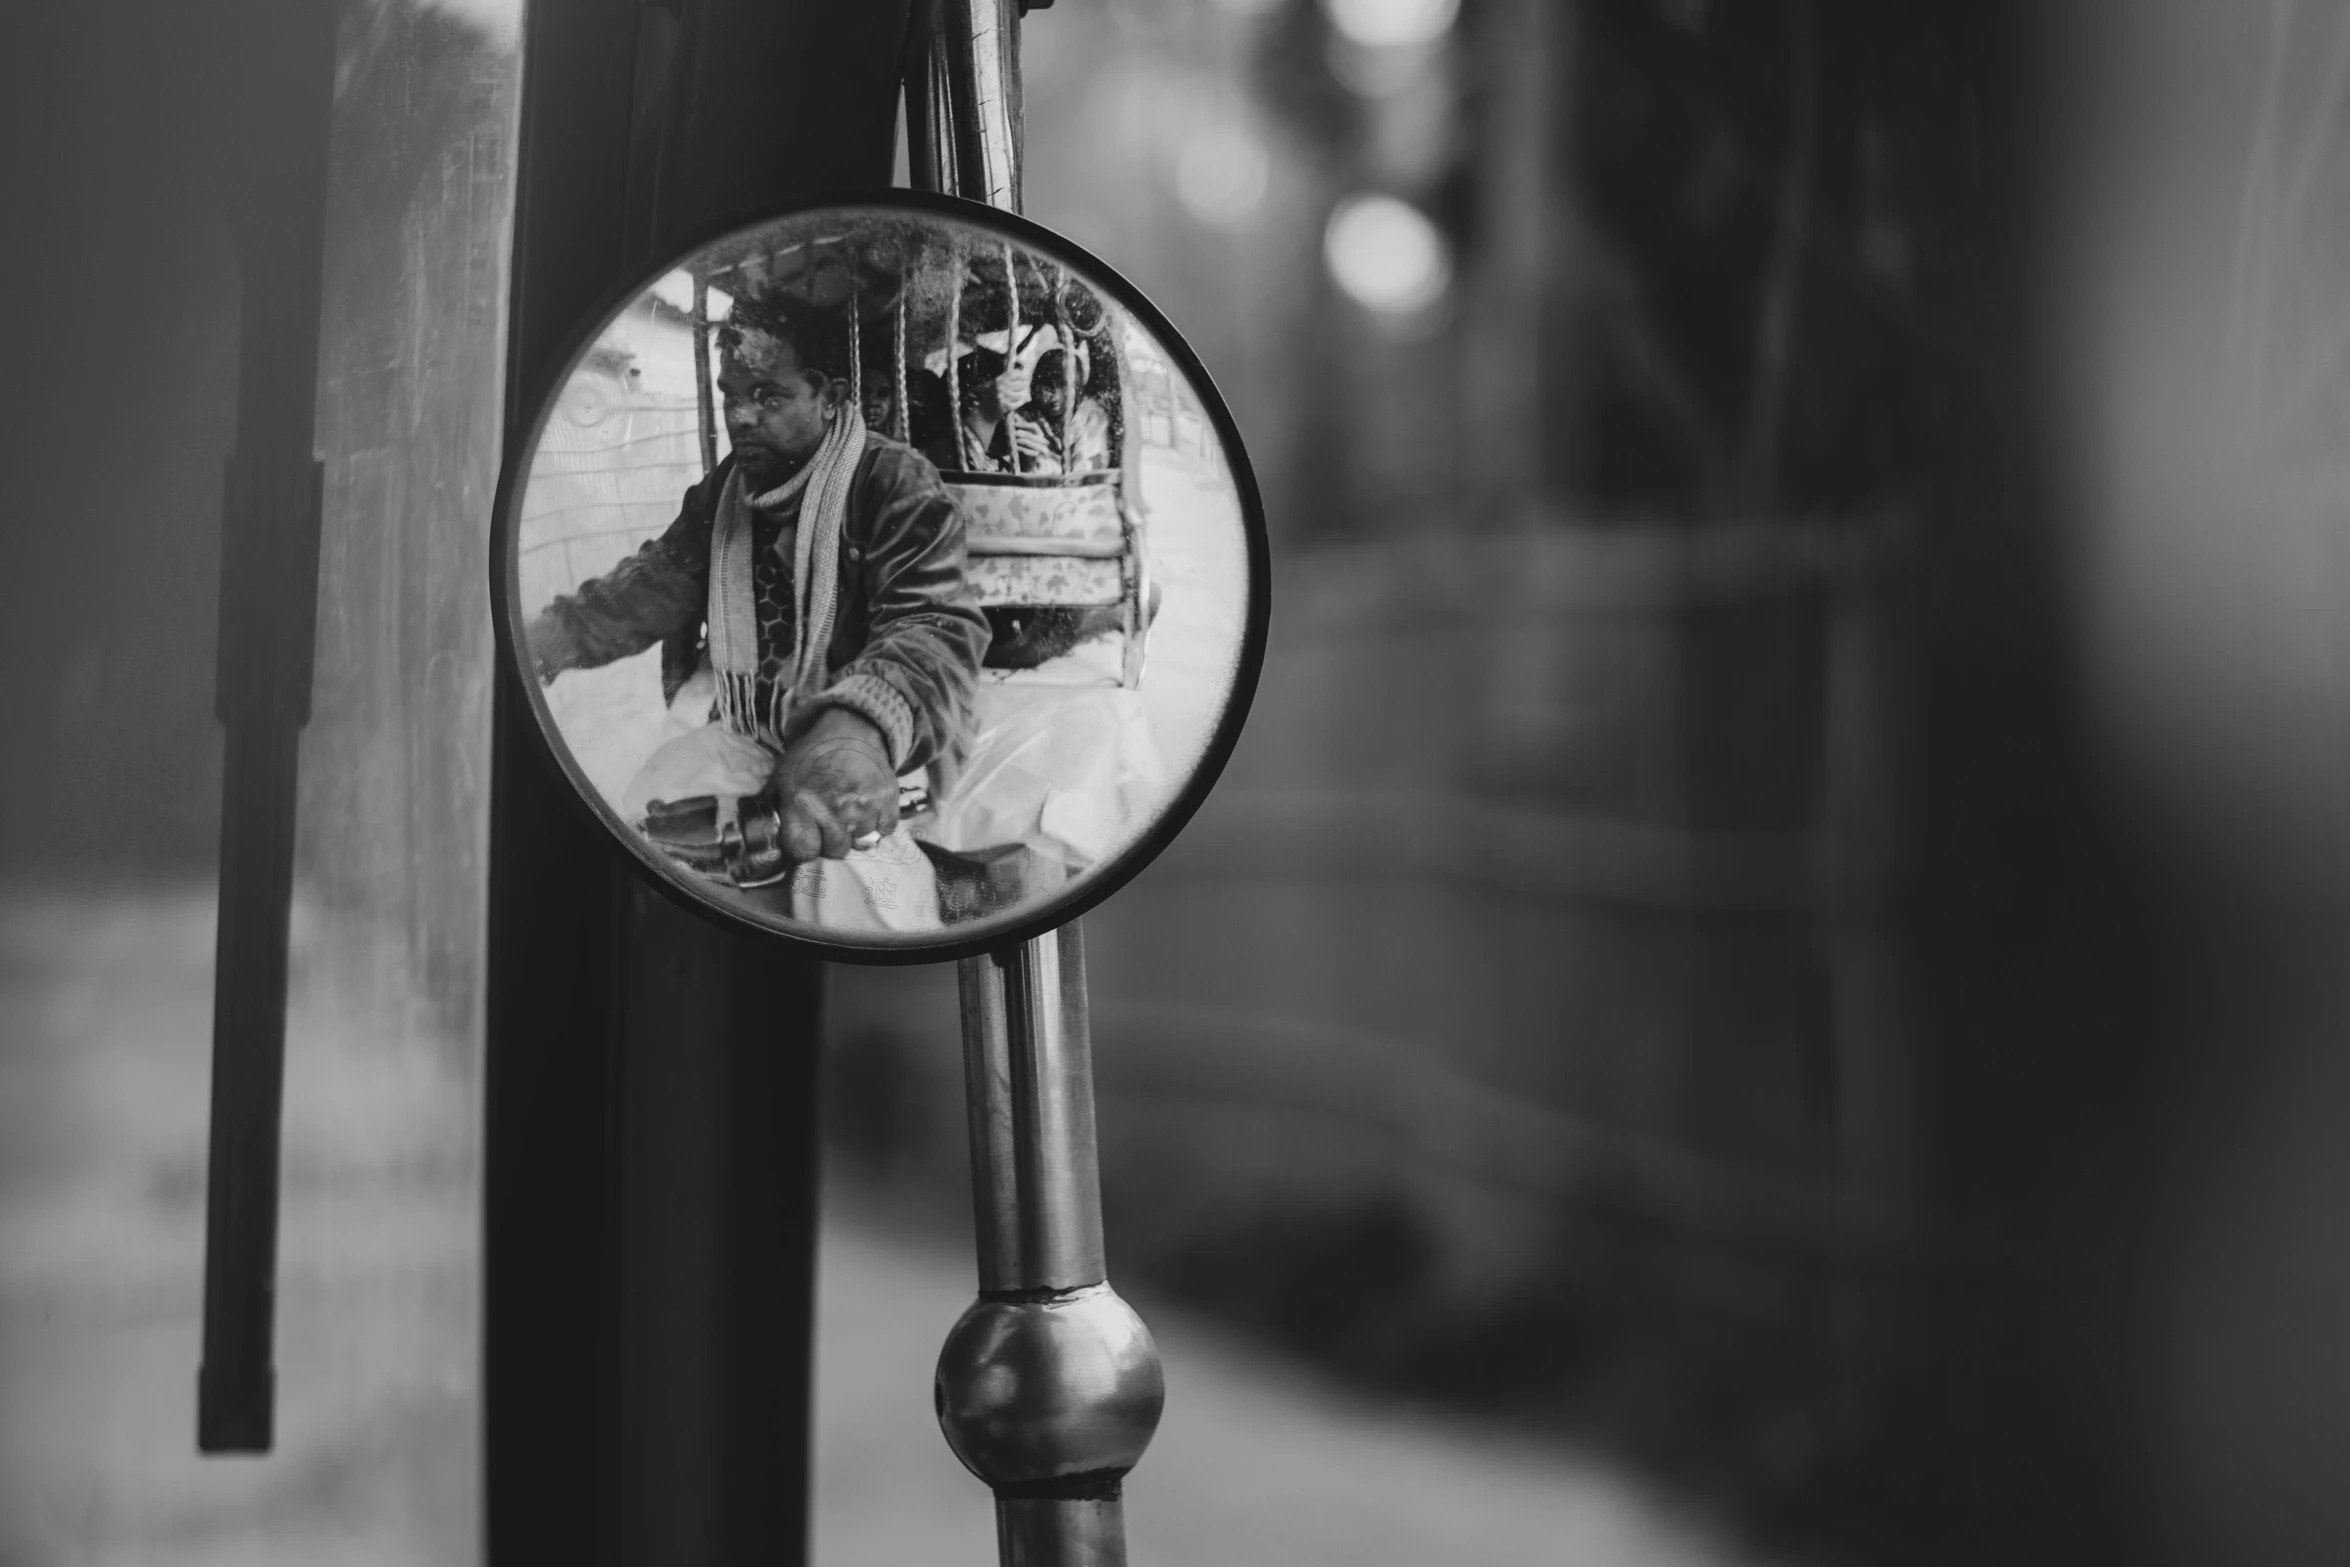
1070 1532
930 144
1079 549
977 47
268 619
1049 1387
236 1380
1028 1069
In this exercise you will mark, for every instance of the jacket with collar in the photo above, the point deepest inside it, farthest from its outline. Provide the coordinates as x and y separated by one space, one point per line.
907 635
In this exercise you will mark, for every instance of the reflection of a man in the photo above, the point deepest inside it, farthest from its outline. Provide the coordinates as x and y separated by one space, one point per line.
827 563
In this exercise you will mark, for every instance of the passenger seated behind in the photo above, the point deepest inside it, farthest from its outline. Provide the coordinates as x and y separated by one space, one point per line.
926 395
1082 415
993 425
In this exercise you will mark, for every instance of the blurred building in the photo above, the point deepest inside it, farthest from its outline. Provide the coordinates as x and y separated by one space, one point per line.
121 191
1678 956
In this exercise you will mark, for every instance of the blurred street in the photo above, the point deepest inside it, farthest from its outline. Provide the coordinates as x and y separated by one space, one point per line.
1254 1463
104 1020
101 1114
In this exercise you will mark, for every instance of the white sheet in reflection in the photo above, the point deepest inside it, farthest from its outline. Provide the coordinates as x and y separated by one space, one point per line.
1061 762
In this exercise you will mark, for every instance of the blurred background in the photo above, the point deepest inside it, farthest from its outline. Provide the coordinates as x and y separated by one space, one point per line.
1766 982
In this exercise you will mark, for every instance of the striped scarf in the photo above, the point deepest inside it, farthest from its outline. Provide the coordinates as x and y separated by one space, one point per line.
733 612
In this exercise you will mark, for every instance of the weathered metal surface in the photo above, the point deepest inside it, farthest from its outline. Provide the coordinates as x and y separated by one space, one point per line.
976 55
1032 1392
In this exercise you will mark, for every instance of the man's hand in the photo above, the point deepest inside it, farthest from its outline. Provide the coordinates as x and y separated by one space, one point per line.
549 648
836 788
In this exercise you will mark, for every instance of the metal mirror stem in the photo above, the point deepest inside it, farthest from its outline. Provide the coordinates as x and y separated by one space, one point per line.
963 102
1049 1387
1028 1069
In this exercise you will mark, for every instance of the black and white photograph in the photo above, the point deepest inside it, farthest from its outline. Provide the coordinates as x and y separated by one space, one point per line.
1175 783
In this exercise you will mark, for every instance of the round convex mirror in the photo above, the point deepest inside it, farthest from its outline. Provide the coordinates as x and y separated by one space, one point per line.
887 576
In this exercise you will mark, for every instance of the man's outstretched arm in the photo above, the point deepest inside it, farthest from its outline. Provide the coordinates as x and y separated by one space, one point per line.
662 589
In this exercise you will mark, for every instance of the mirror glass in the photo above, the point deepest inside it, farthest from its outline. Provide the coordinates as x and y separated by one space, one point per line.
886 575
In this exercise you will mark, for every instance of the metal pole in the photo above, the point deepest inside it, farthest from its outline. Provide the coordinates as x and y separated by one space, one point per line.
974 77
1049 1387
268 612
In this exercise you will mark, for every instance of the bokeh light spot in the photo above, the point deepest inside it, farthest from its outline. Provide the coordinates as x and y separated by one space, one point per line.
1387 256
1222 176
1391 23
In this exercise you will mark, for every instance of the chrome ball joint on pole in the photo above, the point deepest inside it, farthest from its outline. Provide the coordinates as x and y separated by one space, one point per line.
1050 1402
1049 1387
1064 1392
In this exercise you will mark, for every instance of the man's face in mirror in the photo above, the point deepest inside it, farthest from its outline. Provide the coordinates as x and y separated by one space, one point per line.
776 412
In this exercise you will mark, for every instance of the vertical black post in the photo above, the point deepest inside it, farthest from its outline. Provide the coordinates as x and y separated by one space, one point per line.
268 615
652 1091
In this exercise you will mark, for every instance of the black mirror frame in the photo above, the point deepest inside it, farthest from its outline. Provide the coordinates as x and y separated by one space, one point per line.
1097 884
